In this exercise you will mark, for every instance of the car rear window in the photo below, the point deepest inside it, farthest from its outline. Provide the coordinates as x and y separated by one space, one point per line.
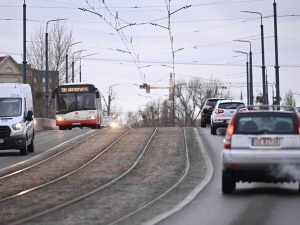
266 123
230 105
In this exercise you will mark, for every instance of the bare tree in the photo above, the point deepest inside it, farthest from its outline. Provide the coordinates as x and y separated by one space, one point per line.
289 99
193 94
188 96
133 120
58 42
58 47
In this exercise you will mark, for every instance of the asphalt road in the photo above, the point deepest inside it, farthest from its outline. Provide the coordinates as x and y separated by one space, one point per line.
255 203
44 140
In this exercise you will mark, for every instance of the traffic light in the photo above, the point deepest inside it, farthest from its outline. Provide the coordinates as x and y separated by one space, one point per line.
145 86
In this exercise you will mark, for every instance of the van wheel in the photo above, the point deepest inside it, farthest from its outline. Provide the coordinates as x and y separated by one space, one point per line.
24 150
31 145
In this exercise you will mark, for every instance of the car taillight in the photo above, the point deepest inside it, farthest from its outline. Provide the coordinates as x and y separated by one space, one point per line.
229 132
218 111
298 119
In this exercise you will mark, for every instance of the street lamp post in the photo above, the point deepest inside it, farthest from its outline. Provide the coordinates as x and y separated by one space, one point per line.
67 66
247 75
24 43
276 55
47 75
80 64
73 64
251 72
109 98
263 67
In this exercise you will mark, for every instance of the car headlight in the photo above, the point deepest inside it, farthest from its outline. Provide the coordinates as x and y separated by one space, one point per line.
17 126
113 125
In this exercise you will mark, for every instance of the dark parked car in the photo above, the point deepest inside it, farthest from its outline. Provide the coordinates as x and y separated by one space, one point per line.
207 109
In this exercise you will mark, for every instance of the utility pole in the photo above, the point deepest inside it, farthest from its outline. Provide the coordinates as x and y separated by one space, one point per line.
276 56
24 43
251 72
263 57
47 75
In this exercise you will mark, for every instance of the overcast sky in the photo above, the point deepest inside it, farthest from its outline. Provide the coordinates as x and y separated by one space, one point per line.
203 37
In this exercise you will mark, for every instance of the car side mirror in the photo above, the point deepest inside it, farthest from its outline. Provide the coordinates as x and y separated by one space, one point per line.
29 115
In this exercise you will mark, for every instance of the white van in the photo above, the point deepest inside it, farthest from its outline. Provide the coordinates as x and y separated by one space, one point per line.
16 117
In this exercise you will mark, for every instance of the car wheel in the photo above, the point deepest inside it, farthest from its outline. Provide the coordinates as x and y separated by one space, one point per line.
203 124
299 188
213 129
62 128
228 183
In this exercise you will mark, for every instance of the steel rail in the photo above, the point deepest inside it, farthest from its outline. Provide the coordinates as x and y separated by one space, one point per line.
57 154
95 190
164 192
64 176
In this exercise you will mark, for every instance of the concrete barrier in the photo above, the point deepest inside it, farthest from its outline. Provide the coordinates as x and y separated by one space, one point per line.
44 124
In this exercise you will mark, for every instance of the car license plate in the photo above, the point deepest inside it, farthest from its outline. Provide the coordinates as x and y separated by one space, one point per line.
1 141
265 142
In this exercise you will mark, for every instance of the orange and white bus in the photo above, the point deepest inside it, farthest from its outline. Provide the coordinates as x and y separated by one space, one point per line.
77 105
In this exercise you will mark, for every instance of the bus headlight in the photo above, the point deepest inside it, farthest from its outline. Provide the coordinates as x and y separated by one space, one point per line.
60 117
17 126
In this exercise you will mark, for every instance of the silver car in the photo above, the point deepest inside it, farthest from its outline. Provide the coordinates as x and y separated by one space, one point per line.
223 113
262 144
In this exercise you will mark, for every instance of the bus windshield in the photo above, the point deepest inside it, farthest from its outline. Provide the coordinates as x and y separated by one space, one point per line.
68 102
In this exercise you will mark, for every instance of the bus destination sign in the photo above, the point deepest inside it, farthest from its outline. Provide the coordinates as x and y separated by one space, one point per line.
74 89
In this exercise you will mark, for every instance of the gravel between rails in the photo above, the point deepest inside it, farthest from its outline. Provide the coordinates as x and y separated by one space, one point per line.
59 165
161 166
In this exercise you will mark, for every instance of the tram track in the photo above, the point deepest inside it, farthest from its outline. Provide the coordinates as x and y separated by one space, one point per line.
23 200
55 164
161 168
163 193
45 183
56 152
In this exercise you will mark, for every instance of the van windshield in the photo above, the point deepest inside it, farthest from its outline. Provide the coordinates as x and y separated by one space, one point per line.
10 107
